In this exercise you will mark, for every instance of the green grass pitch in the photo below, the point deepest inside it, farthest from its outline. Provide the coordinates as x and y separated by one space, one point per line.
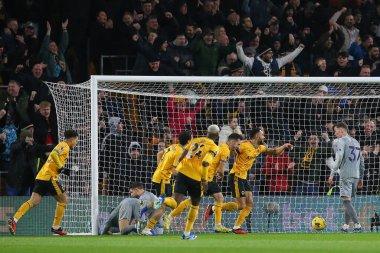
218 243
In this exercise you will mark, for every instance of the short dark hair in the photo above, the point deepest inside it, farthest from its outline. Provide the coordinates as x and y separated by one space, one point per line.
366 37
207 31
14 81
343 54
191 23
136 185
254 131
341 125
180 34
235 136
184 137
365 66
150 17
372 46
9 20
70 134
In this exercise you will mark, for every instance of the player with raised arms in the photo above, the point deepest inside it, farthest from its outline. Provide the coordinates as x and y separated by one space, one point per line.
241 190
47 182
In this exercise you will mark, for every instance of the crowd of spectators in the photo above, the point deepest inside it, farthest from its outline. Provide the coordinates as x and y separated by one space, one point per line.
253 38
188 37
307 123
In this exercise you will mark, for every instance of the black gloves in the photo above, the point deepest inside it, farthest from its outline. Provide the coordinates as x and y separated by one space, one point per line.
66 171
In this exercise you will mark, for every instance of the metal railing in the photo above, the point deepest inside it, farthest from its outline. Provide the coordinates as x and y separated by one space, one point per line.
121 64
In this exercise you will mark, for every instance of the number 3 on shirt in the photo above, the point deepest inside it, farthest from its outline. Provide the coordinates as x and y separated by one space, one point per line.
355 153
196 150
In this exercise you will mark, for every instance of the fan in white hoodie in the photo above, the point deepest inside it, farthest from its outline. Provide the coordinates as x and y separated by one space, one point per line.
226 130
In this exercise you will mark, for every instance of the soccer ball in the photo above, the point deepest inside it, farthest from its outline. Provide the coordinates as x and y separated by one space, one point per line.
318 223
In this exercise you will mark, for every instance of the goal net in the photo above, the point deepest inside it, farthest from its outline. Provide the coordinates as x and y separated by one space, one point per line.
124 121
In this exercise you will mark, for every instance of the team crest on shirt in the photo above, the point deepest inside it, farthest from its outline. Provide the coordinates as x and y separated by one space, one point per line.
61 149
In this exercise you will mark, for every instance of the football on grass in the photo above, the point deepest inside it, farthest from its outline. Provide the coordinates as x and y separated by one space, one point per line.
318 223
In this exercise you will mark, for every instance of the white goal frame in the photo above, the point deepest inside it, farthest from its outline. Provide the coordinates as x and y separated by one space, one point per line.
189 79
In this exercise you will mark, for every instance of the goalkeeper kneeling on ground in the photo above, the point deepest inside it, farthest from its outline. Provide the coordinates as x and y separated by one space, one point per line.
131 215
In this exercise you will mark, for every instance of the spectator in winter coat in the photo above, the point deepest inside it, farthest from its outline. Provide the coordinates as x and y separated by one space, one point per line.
45 127
23 165
137 167
179 51
207 53
113 150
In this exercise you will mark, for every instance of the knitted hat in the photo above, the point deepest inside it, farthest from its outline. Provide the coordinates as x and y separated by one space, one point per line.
249 50
264 49
24 134
236 66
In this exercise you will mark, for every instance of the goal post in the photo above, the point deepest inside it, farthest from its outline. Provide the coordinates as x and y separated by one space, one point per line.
94 156
124 120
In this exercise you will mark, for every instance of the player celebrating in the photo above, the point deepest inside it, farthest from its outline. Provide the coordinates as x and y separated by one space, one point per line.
216 169
192 178
47 181
124 218
349 159
162 175
246 155
165 169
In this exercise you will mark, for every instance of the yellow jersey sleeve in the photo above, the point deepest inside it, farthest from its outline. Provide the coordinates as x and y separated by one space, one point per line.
165 167
176 157
208 158
224 152
214 149
62 150
262 149
246 157
198 149
222 156
243 147
50 169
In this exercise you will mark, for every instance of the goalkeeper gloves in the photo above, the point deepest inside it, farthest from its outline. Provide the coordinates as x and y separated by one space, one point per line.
65 171
158 202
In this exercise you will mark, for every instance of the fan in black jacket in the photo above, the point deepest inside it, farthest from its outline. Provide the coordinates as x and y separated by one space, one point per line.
23 165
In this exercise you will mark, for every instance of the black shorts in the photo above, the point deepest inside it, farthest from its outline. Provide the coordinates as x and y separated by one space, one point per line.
187 186
53 187
238 186
213 188
162 189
